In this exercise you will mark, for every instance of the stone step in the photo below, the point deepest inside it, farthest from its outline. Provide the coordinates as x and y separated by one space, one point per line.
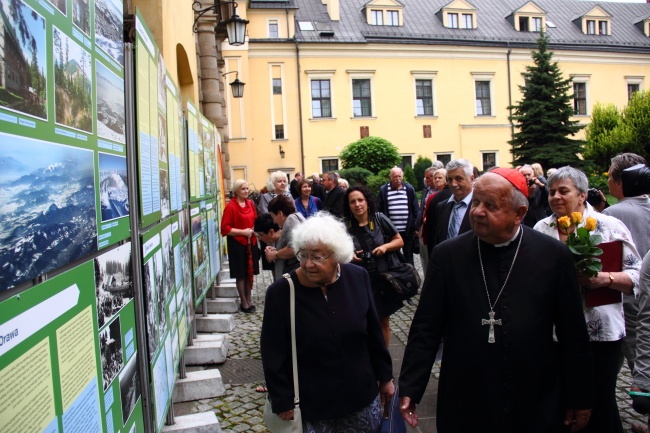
220 305
207 349
215 323
226 291
224 274
198 385
203 422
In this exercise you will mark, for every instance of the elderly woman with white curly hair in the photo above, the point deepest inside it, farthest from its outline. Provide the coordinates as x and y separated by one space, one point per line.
344 366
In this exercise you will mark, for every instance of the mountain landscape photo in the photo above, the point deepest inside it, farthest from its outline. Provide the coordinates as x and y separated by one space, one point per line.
47 208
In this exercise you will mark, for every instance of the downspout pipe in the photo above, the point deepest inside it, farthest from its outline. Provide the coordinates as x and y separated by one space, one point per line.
302 143
512 126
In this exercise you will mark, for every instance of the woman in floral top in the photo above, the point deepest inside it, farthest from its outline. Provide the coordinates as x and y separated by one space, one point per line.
606 325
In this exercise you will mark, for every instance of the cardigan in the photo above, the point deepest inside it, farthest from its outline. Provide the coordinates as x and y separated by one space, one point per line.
342 354
237 217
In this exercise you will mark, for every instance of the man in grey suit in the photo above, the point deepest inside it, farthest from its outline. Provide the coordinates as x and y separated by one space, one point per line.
452 215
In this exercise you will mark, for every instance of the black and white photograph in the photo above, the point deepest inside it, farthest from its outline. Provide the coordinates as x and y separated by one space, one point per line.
178 267
197 252
60 4
110 343
162 82
168 261
73 83
201 281
109 28
113 282
151 299
23 79
110 104
113 186
187 266
81 15
162 139
164 193
183 226
159 276
129 387
47 207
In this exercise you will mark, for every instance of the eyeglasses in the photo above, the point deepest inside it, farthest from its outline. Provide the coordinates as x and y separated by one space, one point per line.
303 257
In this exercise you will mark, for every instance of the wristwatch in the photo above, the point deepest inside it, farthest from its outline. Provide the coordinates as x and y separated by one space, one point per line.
611 279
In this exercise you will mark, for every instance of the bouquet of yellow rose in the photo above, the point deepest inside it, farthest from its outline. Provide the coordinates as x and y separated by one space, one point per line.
582 243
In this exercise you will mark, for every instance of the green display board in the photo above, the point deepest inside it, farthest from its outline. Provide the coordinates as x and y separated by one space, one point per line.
62 136
60 371
151 127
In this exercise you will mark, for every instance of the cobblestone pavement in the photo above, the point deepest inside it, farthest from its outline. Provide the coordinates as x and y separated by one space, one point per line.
241 408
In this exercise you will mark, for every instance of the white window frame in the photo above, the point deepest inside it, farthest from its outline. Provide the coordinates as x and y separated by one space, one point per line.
581 79
323 158
536 24
362 75
633 81
377 17
463 22
392 18
322 75
489 77
496 157
269 23
424 75
451 22
591 27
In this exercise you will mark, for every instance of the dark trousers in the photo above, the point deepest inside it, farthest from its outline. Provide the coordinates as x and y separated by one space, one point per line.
407 249
604 416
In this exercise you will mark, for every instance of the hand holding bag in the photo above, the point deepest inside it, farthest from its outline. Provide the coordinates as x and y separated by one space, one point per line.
393 421
273 422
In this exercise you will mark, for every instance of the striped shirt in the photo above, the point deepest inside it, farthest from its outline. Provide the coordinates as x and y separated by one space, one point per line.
398 207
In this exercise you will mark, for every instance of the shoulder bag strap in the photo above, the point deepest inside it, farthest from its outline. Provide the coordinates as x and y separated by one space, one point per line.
294 354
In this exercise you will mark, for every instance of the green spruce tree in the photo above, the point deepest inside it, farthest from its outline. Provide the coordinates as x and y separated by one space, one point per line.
543 116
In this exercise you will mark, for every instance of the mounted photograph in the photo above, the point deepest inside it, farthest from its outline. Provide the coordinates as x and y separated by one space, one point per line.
129 387
23 67
110 343
110 104
73 99
113 186
81 15
113 282
109 28
47 207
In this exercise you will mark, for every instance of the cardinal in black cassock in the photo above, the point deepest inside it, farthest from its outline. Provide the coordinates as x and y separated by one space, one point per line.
496 295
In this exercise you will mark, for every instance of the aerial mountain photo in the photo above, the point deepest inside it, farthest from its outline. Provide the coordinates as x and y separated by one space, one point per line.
47 207
113 190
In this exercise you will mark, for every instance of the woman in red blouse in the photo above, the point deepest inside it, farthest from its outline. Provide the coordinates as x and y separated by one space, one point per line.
237 224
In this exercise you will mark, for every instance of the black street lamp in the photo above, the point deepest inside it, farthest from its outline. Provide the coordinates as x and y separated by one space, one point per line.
225 13
237 87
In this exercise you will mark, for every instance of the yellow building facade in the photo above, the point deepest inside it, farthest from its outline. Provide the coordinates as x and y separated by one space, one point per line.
378 58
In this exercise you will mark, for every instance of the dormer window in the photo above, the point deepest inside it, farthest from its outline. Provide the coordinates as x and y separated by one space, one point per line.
595 22
384 13
644 25
458 14
528 18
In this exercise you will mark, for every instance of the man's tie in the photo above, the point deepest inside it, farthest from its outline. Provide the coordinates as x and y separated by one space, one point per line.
454 220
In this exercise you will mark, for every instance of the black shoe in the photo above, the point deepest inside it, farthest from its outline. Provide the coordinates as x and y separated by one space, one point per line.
252 308
248 310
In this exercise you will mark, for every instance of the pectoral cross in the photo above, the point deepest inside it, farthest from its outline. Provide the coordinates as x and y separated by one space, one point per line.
491 321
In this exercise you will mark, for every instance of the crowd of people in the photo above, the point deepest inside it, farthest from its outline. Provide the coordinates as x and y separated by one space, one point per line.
502 298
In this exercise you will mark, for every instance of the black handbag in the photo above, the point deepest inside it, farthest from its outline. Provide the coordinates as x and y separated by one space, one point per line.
401 276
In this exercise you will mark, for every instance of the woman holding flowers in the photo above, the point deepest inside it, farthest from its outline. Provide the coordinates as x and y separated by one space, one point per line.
577 224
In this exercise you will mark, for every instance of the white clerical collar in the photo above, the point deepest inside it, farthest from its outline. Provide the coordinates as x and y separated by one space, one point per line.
506 243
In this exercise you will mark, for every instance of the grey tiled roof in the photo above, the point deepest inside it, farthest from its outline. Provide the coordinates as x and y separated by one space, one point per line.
422 26
263 4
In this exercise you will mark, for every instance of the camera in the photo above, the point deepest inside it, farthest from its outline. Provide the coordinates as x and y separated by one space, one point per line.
365 255
593 197
531 182
636 180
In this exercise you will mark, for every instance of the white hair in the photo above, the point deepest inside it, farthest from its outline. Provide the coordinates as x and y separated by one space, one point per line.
323 229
